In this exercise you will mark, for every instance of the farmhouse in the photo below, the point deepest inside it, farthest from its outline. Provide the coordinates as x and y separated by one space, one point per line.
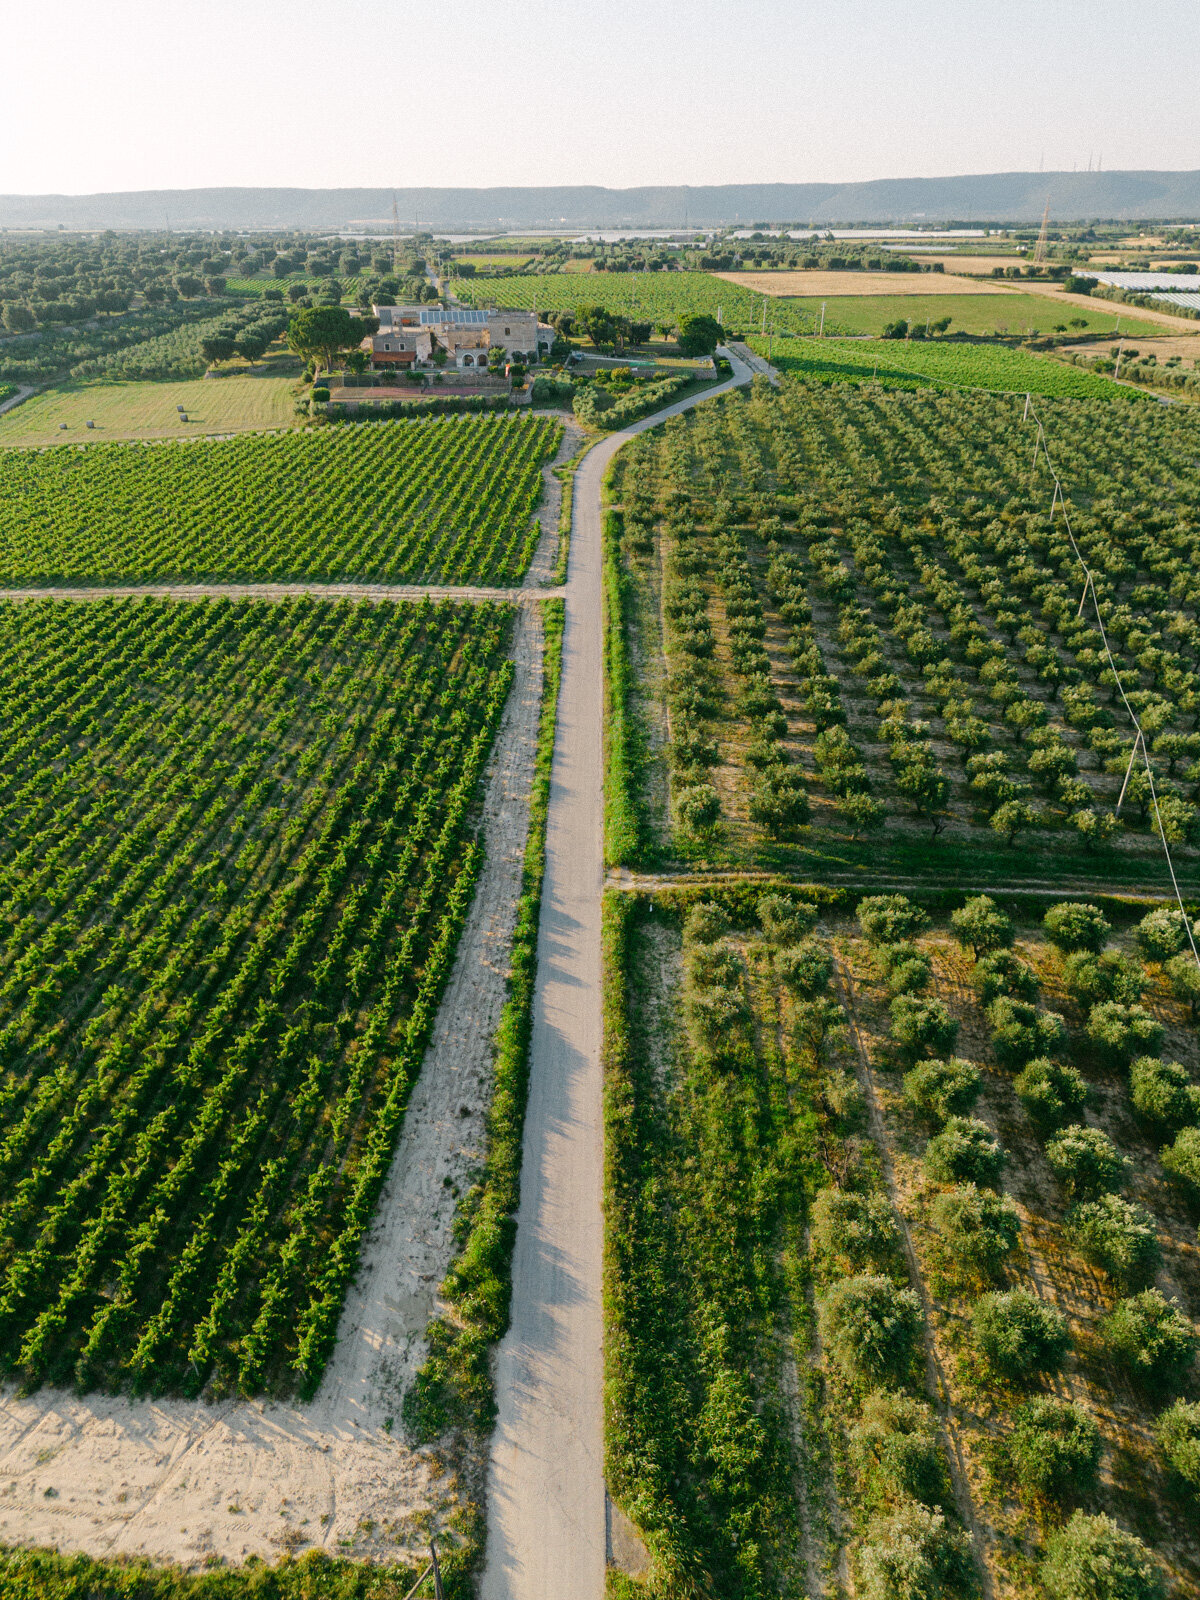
411 336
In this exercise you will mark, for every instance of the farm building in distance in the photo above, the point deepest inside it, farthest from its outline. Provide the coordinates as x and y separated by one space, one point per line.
411 336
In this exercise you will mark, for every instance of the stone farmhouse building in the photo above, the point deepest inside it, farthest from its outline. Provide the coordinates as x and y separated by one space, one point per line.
409 336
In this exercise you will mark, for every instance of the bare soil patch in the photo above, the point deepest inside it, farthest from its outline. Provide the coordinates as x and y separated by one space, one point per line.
858 283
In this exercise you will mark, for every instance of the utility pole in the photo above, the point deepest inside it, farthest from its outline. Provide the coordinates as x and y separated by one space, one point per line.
395 235
821 330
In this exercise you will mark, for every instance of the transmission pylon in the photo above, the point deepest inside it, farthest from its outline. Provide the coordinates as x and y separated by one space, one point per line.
1039 255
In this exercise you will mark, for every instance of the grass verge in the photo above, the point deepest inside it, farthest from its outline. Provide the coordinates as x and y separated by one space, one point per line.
454 1392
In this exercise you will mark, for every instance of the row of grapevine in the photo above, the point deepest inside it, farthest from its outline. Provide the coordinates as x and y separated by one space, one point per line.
449 499
237 853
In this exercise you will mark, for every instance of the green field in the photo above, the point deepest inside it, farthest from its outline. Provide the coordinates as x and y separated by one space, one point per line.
149 410
237 853
449 500
313 286
643 296
903 364
1022 314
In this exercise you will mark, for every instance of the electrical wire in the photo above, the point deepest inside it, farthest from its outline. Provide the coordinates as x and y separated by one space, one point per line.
1089 588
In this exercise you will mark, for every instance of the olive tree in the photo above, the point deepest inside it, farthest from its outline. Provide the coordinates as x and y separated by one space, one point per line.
1002 973
888 918
1017 1334
1179 1436
1182 1160
1053 1095
966 1150
1152 1338
1117 1237
1054 1448
939 1089
980 926
979 1229
922 1027
785 921
1075 925
913 1553
1121 1032
1020 1032
1086 1162
858 1229
1163 1092
895 1450
1093 1558
872 1329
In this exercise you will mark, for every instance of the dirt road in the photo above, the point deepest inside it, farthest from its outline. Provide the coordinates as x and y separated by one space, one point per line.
546 1514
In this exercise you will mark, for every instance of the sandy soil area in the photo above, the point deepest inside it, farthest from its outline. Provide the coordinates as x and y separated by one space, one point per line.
859 283
185 1481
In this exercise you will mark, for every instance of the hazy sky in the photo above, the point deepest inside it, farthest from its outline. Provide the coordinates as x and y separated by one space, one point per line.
139 94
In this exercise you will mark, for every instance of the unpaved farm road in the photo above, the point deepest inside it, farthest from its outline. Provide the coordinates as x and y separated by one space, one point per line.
546 1511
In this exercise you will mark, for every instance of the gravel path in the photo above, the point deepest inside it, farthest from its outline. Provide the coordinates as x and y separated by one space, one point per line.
546 1510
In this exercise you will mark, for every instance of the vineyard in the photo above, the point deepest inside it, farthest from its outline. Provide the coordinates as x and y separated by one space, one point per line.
901 1273
449 500
237 853
1008 313
903 364
644 296
871 650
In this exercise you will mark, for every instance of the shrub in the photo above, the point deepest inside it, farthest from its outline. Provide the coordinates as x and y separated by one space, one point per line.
1160 934
1182 1160
1179 1437
1018 1334
905 966
1108 976
1163 1092
1086 1162
860 1229
871 1328
896 1453
717 965
845 1102
698 807
320 394
1117 1237
1072 925
784 920
1002 973
1152 1338
979 1229
888 918
1052 1094
706 922
922 1027
1185 981
715 1013
966 1150
1122 1032
1020 1031
1094 1559
779 802
816 1023
805 968
913 1553
980 926
1054 1447
940 1089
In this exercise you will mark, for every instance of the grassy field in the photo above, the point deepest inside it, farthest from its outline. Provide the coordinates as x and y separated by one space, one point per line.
969 313
789 285
148 410
935 363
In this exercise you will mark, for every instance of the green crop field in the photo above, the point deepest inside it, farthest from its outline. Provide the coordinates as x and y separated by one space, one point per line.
449 500
257 285
644 296
915 364
236 855
149 410
1022 314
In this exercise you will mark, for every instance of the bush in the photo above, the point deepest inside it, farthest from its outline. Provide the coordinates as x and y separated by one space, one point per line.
1054 1448
896 1453
716 965
1020 1032
939 1089
1152 1338
1182 1160
1117 1237
1086 1162
888 918
859 1229
1090 978
698 807
1072 925
922 1027
1160 934
1184 976
1179 1437
1094 1559
805 968
784 920
715 1015
1017 1334
845 1103
320 395
980 926
1121 1032
905 966
872 1329
1052 1094
914 1554
1002 973
1163 1092
779 802
966 1150
705 922
979 1229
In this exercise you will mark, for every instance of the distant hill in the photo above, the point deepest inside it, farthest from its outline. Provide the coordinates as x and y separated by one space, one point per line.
991 197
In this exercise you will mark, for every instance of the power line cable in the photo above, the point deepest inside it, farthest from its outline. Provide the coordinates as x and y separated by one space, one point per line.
1059 499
